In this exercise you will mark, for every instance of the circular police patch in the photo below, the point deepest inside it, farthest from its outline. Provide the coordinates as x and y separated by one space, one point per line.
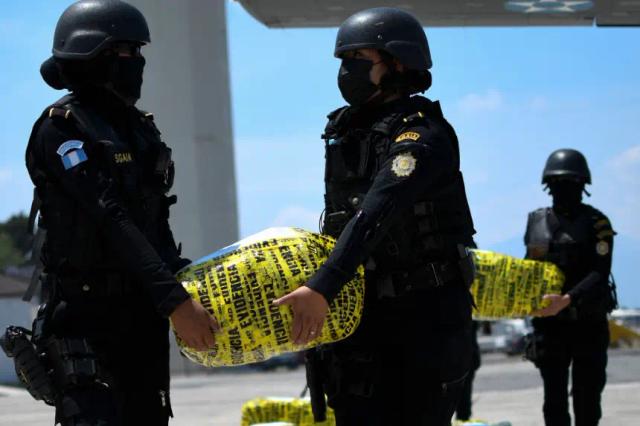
602 248
403 165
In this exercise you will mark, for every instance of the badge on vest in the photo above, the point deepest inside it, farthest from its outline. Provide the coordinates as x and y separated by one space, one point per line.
72 154
403 165
602 248
408 135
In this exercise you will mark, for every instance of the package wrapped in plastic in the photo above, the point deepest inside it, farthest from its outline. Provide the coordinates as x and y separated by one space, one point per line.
508 287
296 411
237 285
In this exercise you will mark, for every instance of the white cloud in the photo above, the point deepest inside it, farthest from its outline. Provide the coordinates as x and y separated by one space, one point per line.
297 216
538 103
5 175
619 195
492 100
626 165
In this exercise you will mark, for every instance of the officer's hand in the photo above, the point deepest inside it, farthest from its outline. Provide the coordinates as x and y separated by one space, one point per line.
194 325
309 311
558 303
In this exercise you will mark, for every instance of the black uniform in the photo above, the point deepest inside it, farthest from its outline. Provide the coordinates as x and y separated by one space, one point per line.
395 198
463 411
102 172
580 242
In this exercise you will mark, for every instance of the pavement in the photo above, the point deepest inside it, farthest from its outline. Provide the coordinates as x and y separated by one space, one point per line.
505 389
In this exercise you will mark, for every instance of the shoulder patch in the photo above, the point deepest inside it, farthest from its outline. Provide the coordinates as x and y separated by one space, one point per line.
71 153
602 248
605 233
602 223
403 165
68 146
414 136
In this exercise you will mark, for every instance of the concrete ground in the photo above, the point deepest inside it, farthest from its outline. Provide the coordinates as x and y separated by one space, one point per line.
506 389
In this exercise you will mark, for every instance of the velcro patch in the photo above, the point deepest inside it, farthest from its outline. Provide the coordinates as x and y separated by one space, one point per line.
414 136
71 153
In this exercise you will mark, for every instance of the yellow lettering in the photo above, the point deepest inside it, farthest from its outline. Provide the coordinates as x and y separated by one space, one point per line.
408 135
123 157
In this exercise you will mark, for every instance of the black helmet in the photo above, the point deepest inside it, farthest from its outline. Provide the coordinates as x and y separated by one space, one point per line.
388 29
566 162
87 27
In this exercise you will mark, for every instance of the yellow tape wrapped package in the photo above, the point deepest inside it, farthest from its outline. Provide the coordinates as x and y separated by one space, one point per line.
288 410
508 287
238 283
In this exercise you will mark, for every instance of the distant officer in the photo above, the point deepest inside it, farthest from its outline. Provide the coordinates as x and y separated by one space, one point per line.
573 330
102 173
395 200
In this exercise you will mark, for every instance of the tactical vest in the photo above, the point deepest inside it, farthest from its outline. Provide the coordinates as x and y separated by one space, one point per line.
74 246
440 220
567 243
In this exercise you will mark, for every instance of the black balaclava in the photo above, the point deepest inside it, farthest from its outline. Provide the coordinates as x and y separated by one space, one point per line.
567 195
117 74
126 77
354 81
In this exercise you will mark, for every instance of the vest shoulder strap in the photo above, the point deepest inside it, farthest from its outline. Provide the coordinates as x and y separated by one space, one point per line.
338 120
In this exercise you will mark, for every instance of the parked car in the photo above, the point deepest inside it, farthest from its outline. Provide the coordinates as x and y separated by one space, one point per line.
505 336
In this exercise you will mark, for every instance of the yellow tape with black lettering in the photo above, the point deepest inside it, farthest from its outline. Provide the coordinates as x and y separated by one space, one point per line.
238 283
508 287
295 411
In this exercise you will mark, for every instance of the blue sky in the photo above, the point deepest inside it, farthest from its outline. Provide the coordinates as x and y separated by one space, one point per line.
513 94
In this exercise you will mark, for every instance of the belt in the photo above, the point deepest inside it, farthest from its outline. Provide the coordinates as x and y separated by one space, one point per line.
428 276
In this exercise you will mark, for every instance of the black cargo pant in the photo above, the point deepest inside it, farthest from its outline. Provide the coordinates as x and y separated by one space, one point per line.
403 366
581 345
463 411
131 346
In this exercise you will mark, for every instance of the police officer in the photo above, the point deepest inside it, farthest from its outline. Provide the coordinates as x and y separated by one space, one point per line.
573 329
102 173
395 200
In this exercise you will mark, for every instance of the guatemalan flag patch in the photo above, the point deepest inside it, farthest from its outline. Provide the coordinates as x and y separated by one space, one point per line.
72 153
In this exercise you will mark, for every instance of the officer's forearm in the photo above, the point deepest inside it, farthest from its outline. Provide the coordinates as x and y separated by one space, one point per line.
351 249
587 285
141 259
100 202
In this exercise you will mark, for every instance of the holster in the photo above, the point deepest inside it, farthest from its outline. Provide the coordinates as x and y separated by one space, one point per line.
533 348
315 375
466 265
30 367
74 362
